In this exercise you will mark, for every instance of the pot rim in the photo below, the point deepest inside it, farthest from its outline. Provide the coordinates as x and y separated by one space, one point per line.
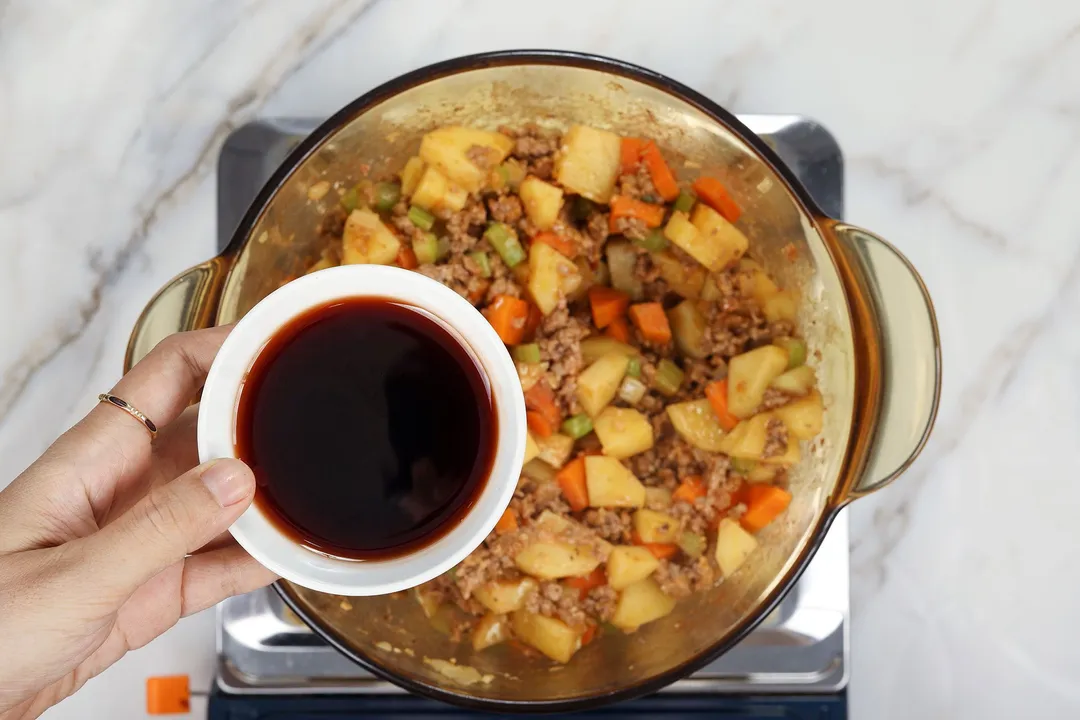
679 91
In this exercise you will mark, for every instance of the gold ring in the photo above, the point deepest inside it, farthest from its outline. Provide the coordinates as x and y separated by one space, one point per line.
130 410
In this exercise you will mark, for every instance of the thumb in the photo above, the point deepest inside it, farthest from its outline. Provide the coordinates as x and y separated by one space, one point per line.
172 521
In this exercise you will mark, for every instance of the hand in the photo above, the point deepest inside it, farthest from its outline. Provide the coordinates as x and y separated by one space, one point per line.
108 538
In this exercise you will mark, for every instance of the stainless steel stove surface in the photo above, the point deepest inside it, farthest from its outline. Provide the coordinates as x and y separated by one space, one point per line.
802 648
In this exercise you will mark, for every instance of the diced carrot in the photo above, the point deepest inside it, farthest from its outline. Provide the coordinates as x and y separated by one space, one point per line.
713 193
539 424
571 481
621 206
585 583
406 258
588 636
607 304
651 320
541 399
661 551
532 322
662 177
507 314
507 522
690 489
763 503
619 329
563 246
629 154
717 392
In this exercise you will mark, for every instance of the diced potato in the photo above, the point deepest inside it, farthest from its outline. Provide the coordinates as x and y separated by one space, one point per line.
629 564
588 162
755 282
762 473
491 630
803 417
530 373
733 546
367 241
410 175
531 448
656 527
436 193
747 439
697 423
551 560
749 375
680 231
686 281
465 155
558 524
505 596
542 201
611 484
550 636
726 242
598 383
594 348
429 601
781 306
641 603
623 432
555 449
657 497
538 471
791 455
710 291
797 381
551 276
622 261
688 328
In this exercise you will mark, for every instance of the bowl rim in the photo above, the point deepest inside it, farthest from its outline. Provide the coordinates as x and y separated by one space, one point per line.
587 61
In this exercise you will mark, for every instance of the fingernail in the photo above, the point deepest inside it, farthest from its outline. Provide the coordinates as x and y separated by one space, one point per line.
228 482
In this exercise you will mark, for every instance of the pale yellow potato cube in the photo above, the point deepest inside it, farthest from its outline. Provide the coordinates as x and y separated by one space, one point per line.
550 636
465 155
657 497
436 193
755 282
733 546
611 484
551 560
747 439
623 432
656 527
367 241
641 603
588 162
629 564
551 274
780 306
555 449
697 423
686 281
804 417
725 243
598 383
796 381
410 175
531 448
490 630
505 596
429 601
791 455
542 201
749 375
594 348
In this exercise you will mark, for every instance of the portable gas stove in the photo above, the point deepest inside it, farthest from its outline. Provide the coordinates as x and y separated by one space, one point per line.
794 665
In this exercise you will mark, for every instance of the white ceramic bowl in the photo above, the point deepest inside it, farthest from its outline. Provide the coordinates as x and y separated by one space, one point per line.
217 427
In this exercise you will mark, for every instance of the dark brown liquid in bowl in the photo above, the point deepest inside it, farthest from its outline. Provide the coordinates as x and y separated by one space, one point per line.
370 429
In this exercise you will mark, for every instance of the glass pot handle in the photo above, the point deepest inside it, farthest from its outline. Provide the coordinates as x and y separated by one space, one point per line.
187 302
909 377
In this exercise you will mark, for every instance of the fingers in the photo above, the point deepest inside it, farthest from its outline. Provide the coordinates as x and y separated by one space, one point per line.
213 576
173 520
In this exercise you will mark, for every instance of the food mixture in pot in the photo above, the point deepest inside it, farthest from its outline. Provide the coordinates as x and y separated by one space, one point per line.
665 381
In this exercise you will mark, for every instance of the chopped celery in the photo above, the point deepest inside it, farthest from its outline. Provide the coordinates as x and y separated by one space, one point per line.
669 377
421 218
426 248
577 426
442 248
528 354
350 200
796 350
510 173
654 241
481 259
685 201
634 368
693 544
387 195
632 390
581 209
742 466
505 242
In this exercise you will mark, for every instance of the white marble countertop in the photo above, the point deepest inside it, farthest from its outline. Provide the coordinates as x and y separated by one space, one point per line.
961 127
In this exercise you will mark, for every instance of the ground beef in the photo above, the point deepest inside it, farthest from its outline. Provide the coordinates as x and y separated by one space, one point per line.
491 561
600 602
559 338
631 228
482 156
537 149
532 498
502 278
773 399
553 600
332 224
505 208
453 275
612 525
776 438
596 230
465 226
638 185
670 459
681 580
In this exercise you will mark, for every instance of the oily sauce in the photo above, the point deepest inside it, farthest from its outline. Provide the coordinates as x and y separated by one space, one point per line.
370 429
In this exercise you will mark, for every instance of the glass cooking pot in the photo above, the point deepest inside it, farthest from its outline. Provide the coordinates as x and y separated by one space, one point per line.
865 313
